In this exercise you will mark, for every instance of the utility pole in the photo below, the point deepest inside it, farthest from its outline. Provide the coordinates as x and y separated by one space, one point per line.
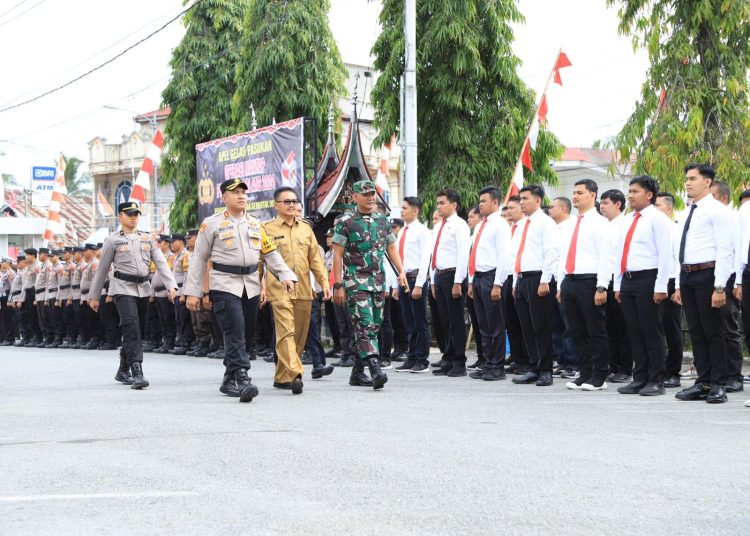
157 208
410 98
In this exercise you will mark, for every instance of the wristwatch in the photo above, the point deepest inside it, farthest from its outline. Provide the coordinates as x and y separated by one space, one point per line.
719 289
337 286
601 289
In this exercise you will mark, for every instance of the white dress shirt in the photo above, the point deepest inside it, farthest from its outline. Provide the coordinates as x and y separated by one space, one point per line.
541 251
651 247
709 238
417 249
742 245
493 247
515 240
453 248
593 247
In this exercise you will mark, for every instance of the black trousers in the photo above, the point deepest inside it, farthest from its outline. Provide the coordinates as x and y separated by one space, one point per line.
588 325
184 325
491 321
704 326
644 320
7 324
165 311
563 346
32 319
346 331
69 319
730 328
153 326
42 316
109 321
435 323
132 311
231 312
475 326
81 326
313 345
56 321
400 336
535 314
91 321
452 321
620 353
385 335
513 325
414 313
671 321
746 306
333 326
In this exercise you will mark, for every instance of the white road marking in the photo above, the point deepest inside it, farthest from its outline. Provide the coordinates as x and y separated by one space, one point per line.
88 496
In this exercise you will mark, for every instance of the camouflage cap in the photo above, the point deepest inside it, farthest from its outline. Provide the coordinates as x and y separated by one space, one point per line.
363 187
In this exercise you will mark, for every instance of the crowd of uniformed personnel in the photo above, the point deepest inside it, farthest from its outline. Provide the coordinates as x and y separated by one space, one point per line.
592 299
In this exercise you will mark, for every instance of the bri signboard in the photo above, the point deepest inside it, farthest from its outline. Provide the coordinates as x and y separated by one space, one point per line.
42 183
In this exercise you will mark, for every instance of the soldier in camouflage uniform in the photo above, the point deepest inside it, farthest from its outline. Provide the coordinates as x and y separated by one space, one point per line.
360 241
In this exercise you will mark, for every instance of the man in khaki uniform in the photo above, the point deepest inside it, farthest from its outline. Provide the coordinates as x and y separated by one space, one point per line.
130 252
291 311
234 242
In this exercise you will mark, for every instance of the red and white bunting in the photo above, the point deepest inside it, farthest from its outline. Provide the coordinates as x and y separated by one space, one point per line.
143 180
55 222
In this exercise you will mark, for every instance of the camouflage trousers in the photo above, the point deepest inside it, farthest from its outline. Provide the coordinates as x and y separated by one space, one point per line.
366 311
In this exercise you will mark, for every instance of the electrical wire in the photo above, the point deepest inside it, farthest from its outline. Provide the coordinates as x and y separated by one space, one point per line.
3 23
22 2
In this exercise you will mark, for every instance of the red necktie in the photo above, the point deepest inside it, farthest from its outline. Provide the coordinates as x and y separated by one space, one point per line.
401 243
628 239
434 251
473 256
570 262
513 230
520 248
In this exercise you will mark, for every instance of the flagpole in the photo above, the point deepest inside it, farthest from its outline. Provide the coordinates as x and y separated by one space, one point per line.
531 123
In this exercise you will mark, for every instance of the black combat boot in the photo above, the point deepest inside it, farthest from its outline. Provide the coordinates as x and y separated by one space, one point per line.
123 373
379 378
229 386
139 382
359 377
247 390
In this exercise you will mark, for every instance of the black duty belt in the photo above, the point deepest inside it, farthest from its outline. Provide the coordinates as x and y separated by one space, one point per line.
521 275
580 277
130 278
63 287
446 271
631 275
236 270
41 289
106 285
52 290
179 285
16 293
412 275
488 272
160 288
76 287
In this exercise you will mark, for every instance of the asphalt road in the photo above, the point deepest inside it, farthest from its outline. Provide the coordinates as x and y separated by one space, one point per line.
81 454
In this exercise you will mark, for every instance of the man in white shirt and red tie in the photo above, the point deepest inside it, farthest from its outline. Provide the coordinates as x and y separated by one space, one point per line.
487 273
645 251
705 255
415 248
583 271
449 265
518 352
533 287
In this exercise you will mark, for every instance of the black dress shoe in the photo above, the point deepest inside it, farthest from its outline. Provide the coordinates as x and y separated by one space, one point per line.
633 388
334 352
619 377
458 369
438 364
529 377
444 370
717 395
697 392
268 358
282 385
545 379
476 374
734 386
344 362
399 357
319 372
672 382
652 389
297 386
493 375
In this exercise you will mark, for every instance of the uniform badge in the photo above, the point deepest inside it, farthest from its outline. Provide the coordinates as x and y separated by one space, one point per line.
225 224
146 246
202 228
229 243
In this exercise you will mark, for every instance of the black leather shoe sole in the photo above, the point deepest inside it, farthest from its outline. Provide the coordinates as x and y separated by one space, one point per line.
139 385
319 373
544 382
716 399
229 392
456 373
297 387
248 393
285 385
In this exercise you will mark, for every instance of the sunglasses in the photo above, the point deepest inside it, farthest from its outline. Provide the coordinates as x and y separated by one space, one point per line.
289 202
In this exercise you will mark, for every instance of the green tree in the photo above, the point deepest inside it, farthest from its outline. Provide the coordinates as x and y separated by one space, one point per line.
76 183
699 52
290 65
473 110
199 95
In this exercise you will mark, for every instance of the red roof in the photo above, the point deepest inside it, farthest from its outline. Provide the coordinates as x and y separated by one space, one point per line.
590 155
161 114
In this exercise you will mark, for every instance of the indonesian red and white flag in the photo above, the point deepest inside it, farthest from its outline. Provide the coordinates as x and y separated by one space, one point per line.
381 179
55 221
143 180
105 209
289 171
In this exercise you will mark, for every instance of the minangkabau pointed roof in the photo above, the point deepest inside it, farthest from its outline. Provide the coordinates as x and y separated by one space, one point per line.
334 188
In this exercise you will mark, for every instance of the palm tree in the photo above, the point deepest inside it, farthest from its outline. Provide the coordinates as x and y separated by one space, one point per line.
76 184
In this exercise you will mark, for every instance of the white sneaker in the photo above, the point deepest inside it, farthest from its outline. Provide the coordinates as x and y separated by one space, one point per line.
590 387
747 403
574 386
689 373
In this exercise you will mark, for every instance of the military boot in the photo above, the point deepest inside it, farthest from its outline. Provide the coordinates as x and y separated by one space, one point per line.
379 377
123 373
139 382
359 377
247 390
229 386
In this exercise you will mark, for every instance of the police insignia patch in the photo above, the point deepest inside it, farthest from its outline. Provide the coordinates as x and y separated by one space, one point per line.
202 228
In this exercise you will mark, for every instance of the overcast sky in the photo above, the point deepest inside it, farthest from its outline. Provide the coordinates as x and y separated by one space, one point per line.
49 42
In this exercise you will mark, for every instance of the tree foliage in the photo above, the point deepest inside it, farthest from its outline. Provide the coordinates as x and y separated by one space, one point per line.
699 51
76 183
200 94
289 65
473 110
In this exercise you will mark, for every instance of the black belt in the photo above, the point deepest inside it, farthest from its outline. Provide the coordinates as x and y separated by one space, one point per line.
179 285
488 272
159 289
106 285
631 275
446 271
15 293
52 290
75 286
62 287
580 277
39 289
412 275
131 278
236 270
698 267
521 275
